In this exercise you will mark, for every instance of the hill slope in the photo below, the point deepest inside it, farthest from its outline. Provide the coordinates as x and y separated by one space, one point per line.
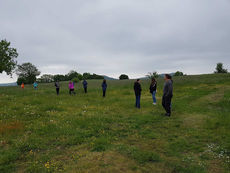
42 132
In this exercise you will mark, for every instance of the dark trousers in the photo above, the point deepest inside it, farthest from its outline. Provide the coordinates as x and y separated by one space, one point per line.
166 103
138 101
104 91
85 89
57 90
71 91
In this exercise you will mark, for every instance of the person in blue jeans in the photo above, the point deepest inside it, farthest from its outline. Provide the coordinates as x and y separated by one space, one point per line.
153 90
137 90
104 87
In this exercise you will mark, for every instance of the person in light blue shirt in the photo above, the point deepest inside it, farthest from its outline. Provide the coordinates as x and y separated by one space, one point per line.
35 85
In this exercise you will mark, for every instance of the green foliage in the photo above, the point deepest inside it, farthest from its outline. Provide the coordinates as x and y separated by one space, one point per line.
46 78
8 57
151 75
76 80
178 73
220 68
123 76
27 72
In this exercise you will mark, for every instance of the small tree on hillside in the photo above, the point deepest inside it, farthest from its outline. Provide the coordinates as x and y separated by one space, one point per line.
150 75
123 77
179 73
220 68
27 72
7 57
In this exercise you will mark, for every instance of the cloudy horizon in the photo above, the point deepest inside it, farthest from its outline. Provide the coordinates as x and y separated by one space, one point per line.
114 37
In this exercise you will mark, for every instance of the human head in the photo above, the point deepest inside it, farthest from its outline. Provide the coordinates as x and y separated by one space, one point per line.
153 80
138 80
167 77
104 81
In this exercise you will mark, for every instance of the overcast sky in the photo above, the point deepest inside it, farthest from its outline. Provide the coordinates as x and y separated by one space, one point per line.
118 36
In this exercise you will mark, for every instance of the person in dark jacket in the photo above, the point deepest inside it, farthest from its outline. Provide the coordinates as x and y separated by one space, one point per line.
167 94
57 85
104 87
85 84
153 90
137 90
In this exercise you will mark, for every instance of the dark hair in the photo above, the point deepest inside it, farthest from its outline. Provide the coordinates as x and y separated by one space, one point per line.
153 81
168 76
104 81
138 80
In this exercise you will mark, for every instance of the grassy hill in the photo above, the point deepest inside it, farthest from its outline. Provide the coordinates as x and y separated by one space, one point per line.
42 132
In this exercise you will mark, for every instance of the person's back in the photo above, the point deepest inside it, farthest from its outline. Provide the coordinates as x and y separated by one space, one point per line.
168 88
22 86
137 88
85 84
35 85
104 86
57 85
71 86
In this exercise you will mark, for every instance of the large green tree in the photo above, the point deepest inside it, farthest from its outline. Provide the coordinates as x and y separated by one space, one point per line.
27 73
8 57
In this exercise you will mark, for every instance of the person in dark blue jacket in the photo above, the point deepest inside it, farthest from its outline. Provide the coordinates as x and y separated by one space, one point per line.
104 87
137 90
85 84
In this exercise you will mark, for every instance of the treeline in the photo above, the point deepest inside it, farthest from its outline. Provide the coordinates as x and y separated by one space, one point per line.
46 78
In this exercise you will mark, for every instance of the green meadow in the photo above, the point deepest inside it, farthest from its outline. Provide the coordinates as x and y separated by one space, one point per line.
42 132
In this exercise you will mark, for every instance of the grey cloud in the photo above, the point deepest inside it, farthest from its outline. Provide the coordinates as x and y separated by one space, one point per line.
113 37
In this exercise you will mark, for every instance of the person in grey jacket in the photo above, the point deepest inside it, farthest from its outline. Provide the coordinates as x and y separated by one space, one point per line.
167 94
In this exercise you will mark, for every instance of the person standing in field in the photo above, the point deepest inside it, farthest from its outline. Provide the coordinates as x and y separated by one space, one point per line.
137 90
57 85
167 94
104 87
85 84
22 85
71 88
153 90
35 85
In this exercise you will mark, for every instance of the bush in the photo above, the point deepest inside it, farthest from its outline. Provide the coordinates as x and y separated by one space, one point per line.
123 76
75 80
179 73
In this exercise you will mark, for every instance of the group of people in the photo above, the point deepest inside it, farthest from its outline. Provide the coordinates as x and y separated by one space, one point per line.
85 86
166 99
167 93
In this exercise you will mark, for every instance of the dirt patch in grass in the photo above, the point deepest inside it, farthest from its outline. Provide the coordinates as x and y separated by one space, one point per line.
216 96
194 120
11 127
215 166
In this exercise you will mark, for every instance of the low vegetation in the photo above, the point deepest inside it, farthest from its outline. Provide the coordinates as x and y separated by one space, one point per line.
42 132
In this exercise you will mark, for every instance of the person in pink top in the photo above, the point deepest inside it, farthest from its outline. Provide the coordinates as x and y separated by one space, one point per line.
71 88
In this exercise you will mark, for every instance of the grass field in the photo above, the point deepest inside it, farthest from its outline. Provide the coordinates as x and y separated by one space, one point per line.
42 132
